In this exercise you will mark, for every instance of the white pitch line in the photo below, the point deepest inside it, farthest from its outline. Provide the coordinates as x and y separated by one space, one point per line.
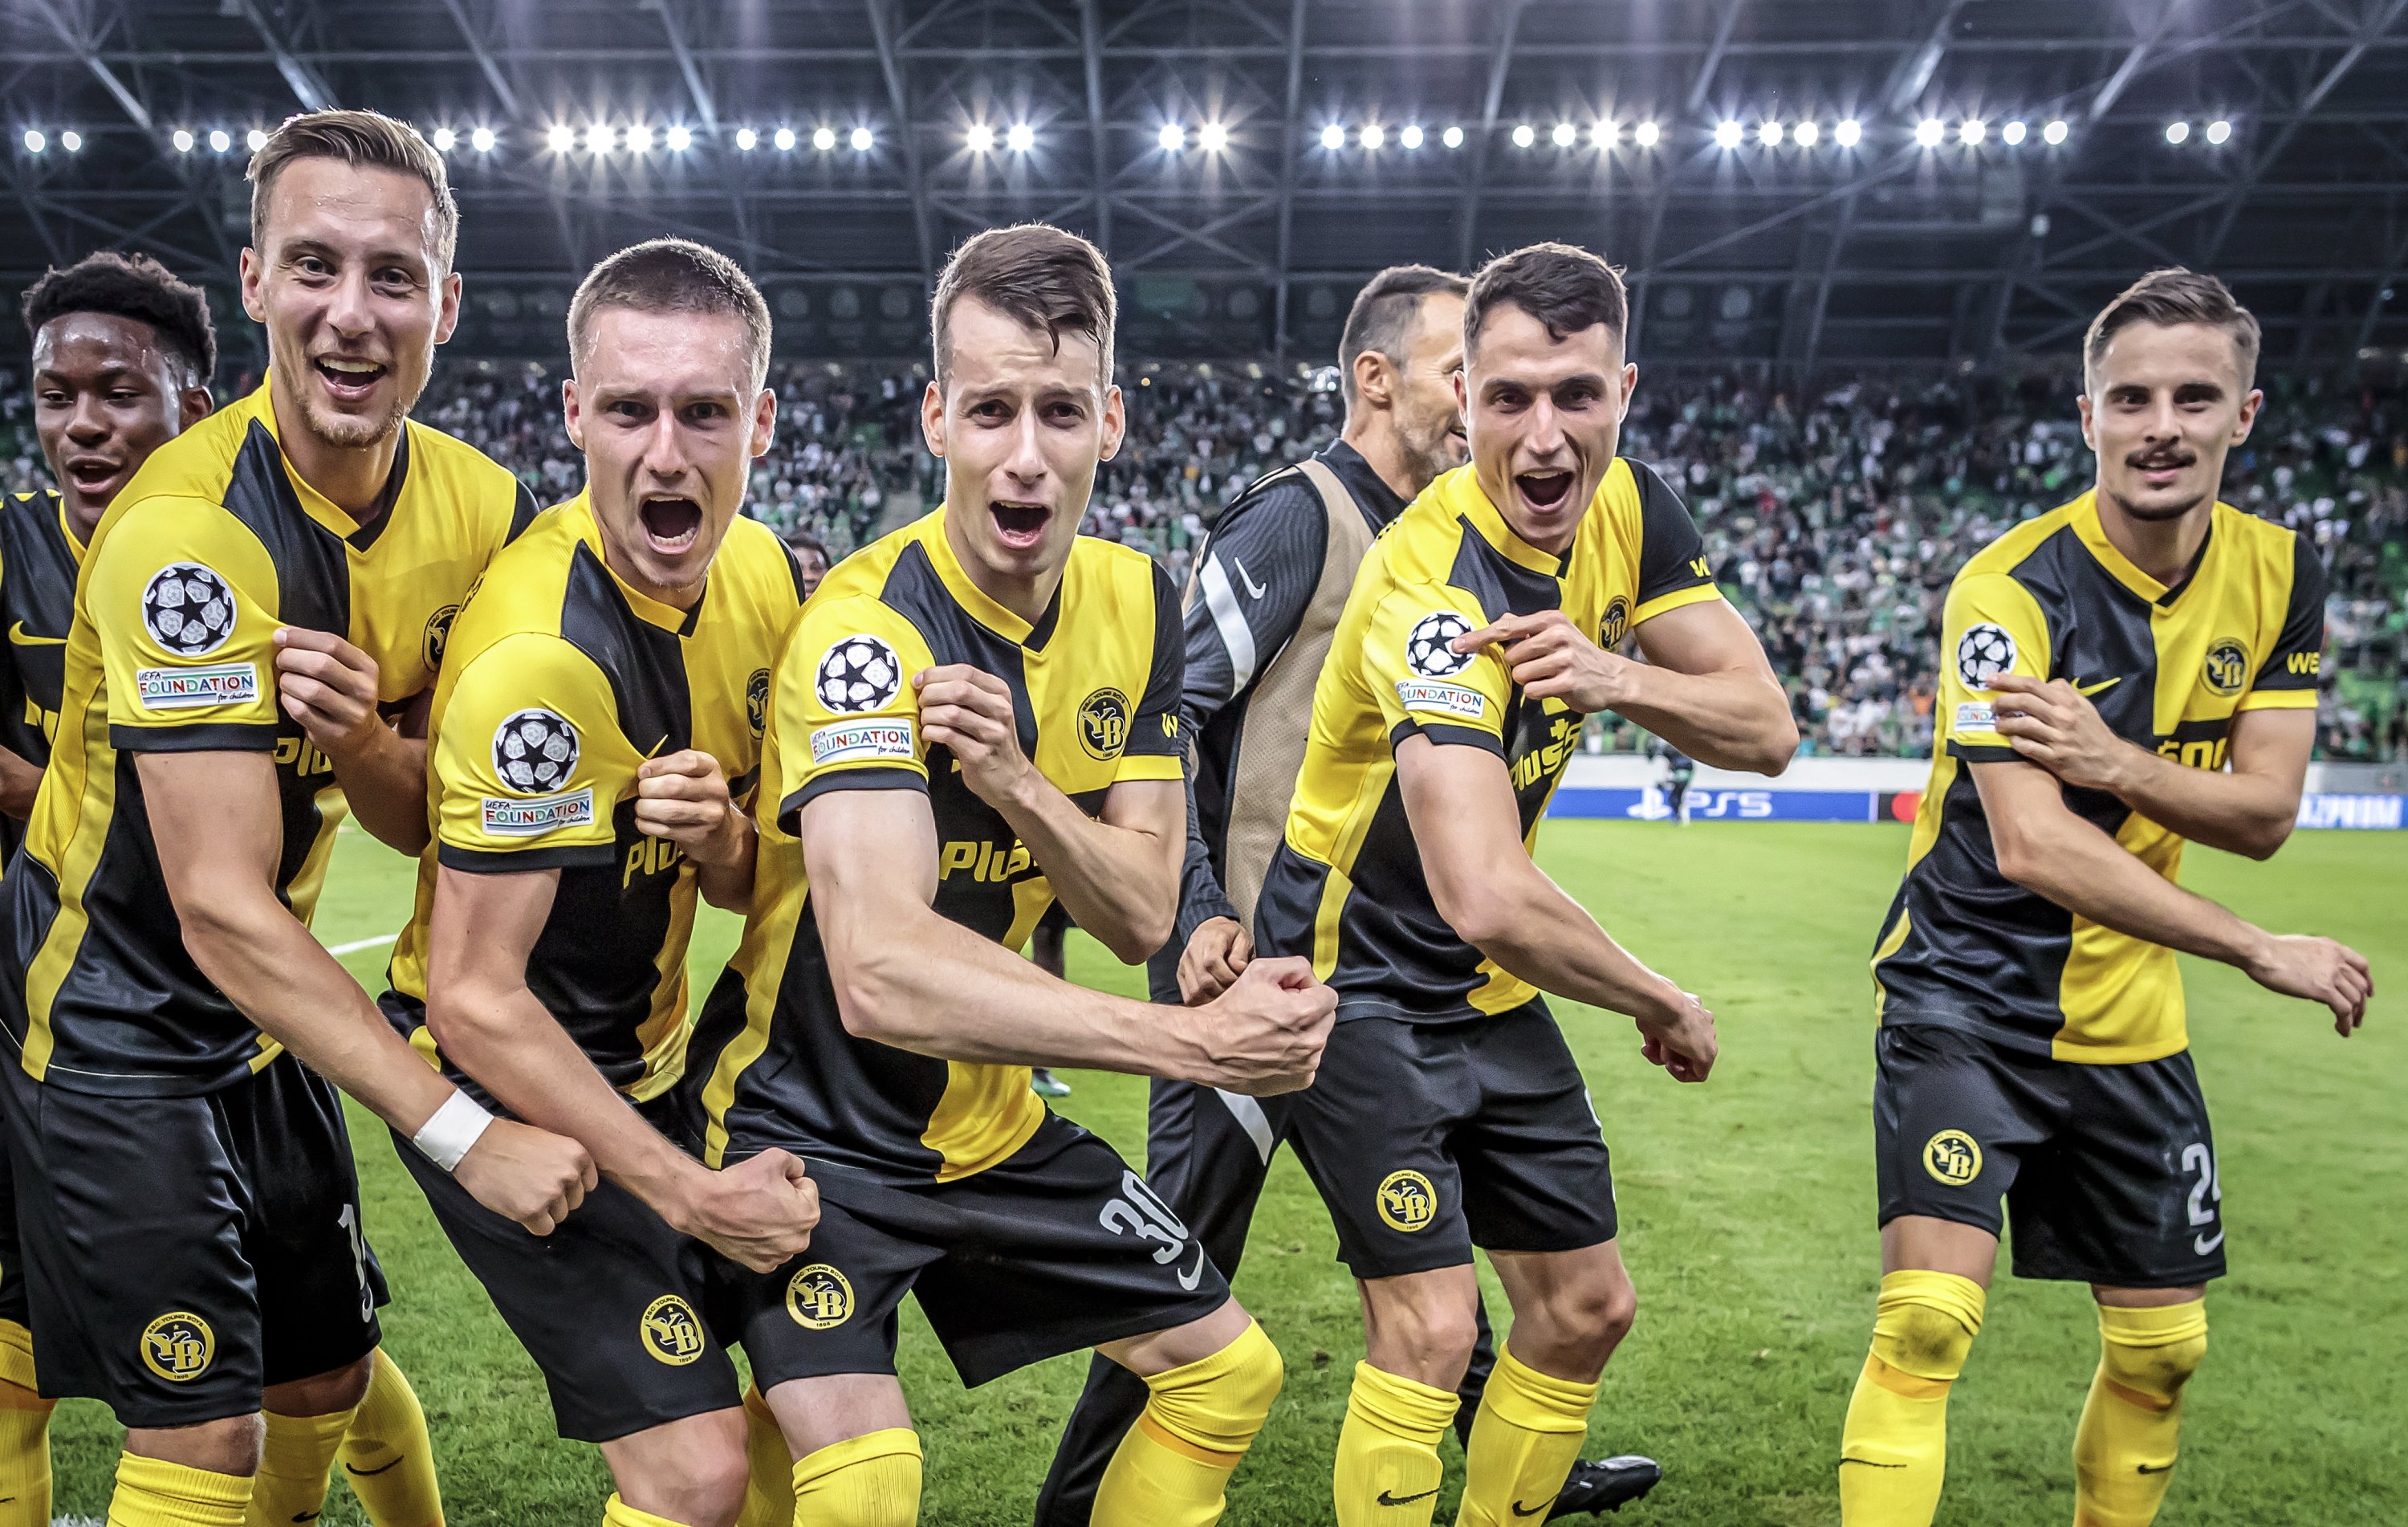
357 945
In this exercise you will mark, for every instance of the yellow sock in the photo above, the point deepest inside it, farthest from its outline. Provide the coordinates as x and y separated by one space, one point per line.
618 1513
2124 1450
1200 1419
866 1481
24 1433
388 1458
769 1484
1894 1452
153 1493
1388 1474
292 1463
1524 1440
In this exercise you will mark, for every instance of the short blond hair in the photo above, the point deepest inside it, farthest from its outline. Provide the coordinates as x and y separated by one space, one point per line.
367 139
671 276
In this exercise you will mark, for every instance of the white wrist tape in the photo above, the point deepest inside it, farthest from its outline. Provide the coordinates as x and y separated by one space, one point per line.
447 1136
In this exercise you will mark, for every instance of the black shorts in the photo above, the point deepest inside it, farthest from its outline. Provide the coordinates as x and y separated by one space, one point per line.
1427 1139
2107 1172
626 1318
1058 1247
181 1254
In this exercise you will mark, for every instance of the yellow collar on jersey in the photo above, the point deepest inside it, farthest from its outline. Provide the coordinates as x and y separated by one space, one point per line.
262 407
2093 532
669 617
1459 493
966 593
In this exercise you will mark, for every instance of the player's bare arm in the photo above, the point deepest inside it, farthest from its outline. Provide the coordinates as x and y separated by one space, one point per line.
2249 810
1460 801
1119 874
1706 686
484 927
213 816
20 783
329 688
683 799
901 970
2044 847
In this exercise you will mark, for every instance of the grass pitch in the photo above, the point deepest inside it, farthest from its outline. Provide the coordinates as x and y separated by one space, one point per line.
1747 1209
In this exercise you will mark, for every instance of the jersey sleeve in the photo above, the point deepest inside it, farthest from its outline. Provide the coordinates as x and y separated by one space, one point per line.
1156 748
842 705
1422 684
1672 567
1260 568
2286 680
528 763
184 600
1992 625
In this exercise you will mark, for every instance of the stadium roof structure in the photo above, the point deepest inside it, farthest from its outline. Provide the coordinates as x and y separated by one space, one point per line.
1795 182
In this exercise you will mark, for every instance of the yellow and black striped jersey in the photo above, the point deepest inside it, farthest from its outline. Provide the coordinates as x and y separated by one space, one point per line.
1094 686
215 544
561 681
39 558
2168 669
1346 885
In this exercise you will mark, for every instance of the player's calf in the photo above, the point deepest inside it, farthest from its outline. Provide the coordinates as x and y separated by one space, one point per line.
1173 1466
690 1472
1570 1310
1893 1449
2124 1450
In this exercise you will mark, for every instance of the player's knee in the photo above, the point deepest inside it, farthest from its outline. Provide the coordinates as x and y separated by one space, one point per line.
704 1486
2154 1352
1431 1337
1576 1326
1220 1402
228 1446
323 1394
1927 1322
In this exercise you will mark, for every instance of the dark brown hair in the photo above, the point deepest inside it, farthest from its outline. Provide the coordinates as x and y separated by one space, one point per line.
133 286
1565 288
358 139
1035 274
2169 297
671 276
1384 313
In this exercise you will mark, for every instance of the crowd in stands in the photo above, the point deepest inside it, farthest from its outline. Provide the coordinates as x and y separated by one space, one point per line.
1835 517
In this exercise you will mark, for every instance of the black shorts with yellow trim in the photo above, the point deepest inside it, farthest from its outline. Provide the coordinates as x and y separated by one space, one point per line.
183 1254
1427 1139
16 1315
2107 1172
626 1318
1058 1247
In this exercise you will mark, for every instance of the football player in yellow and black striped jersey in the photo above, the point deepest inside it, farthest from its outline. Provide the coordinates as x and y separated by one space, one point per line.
185 1192
977 715
1449 1111
2132 670
596 732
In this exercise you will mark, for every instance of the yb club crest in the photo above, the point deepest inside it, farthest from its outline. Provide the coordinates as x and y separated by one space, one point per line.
819 1298
1407 1201
1616 624
179 1347
670 1333
2228 665
1953 1157
1104 723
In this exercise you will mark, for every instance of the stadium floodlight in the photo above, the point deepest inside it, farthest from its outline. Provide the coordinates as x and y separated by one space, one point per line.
1452 138
1409 136
1849 132
1523 135
445 140
34 141
640 138
2054 133
560 137
1604 132
1926 133
1564 134
824 138
220 140
1374 135
979 136
183 140
1020 138
2177 132
71 141
862 139
1333 136
1171 138
1213 138
1807 135
1727 135
1769 134
256 139
679 138
481 140
746 141
1971 131
1646 135
599 137
2219 131
2012 134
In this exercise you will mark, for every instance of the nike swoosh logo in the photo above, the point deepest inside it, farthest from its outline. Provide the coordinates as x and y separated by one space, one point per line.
1194 1275
1384 1498
1869 1463
2156 1468
1253 590
1521 1510
17 634
366 1472
2206 1244
2088 689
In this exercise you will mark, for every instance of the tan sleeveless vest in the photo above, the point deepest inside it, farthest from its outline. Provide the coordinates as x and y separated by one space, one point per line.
1279 717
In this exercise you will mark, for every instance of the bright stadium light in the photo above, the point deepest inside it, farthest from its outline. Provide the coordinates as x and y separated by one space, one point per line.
1410 137
2012 134
1971 131
1849 132
2219 131
34 141
1333 136
679 138
1564 134
2177 132
1646 135
560 137
481 140
599 137
71 141
1171 138
1807 135
1523 135
1452 138
640 138
862 139
979 136
823 138
1769 135
445 140
1926 133
1213 138
1020 138
1374 135
2054 133
220 140
256 139
1605 133
1727 135
183 140
746 141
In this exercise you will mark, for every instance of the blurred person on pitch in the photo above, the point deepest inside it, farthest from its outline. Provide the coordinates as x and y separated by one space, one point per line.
2130 671
810 556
